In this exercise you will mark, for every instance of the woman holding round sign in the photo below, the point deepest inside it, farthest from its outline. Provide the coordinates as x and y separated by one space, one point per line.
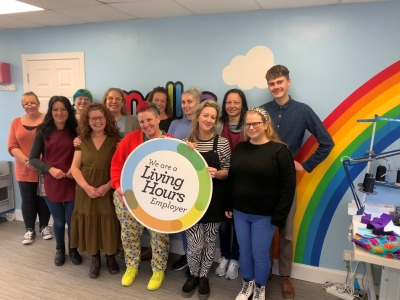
94 224
259 191
201 237
132 230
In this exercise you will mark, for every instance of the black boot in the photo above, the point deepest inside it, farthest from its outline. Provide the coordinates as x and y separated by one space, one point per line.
59 259
112 265
95 266
190 285
204 288
76 258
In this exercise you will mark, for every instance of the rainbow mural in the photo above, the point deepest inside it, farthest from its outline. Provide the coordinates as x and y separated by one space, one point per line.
320 192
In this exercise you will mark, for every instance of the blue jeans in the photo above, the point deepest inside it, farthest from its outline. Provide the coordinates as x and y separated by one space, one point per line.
184 241
254 234
227 234
61 212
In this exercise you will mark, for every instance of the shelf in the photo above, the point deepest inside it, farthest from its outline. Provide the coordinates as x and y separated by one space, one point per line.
388 185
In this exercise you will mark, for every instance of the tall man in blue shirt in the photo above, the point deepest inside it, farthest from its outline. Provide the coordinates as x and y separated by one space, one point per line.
292 119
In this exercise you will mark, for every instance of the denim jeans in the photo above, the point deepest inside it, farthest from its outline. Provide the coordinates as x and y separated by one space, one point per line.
227 234
184 241
254 234
61 212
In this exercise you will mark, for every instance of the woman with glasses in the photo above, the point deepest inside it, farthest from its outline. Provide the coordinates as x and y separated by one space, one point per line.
52 152
82 98
94 224
20 140
114 100
259 194
234 107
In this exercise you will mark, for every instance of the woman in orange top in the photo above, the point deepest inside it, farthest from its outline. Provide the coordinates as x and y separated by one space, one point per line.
20 140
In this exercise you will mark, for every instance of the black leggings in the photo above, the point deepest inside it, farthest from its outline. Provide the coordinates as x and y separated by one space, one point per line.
33 205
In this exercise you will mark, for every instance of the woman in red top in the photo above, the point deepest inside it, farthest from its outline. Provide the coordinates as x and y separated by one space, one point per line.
20 140
131 229
53 142
234 108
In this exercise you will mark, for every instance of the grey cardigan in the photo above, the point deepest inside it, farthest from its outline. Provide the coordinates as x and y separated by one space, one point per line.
131 124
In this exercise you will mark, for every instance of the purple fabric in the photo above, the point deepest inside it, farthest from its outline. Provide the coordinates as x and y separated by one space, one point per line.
366 219
380 223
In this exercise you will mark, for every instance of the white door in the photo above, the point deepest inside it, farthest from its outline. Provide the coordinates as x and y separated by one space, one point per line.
48 75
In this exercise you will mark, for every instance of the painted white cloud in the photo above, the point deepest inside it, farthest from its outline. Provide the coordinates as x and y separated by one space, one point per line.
248 71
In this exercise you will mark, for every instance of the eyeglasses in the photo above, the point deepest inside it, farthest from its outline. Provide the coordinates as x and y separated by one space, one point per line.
33 104
116 99
254 124
94 119
85 99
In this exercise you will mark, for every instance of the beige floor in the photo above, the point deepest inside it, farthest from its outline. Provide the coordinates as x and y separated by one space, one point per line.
28 272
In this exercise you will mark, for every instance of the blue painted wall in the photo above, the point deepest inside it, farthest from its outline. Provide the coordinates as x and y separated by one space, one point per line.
330 51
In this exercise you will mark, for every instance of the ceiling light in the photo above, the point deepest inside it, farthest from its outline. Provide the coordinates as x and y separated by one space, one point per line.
12 6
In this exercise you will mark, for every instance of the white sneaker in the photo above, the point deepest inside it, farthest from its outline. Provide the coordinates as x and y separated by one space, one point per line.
247 290
29 237
221 269
259 293
233 269
46 233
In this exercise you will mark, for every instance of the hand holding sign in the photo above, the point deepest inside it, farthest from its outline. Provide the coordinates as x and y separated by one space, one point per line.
166 186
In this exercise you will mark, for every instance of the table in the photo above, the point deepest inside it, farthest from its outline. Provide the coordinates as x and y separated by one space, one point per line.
390 278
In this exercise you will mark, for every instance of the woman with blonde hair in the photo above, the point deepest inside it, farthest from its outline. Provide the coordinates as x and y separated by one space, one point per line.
20 140
94 224
201 237
114 100
180 129
259 194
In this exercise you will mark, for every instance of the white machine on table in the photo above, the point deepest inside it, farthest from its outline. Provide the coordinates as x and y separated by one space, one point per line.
7 205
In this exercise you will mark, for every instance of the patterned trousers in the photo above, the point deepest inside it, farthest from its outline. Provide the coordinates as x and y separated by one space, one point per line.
132 231
201 247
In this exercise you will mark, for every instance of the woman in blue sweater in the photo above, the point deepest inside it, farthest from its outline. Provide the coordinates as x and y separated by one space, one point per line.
180 129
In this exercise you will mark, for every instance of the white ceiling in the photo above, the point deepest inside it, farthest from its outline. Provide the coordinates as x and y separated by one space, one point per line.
70 12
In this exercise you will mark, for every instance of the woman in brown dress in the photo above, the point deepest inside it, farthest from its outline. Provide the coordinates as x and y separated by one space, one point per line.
94 223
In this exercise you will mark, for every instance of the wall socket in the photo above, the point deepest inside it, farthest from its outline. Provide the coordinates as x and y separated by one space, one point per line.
8 87
348 255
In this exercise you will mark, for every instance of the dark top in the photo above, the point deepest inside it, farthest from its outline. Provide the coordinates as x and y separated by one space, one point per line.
57 152
261 181
291 121
164 124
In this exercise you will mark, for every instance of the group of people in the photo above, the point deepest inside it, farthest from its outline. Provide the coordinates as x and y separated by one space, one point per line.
69 163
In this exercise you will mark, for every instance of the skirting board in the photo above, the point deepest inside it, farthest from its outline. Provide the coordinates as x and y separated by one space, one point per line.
299 271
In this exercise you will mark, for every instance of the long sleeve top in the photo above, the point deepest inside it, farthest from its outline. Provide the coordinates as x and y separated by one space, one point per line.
291 121
180 128
58 152
125 147
261 181
21 137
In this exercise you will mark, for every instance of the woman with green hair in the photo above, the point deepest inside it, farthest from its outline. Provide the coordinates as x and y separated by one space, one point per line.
82 98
